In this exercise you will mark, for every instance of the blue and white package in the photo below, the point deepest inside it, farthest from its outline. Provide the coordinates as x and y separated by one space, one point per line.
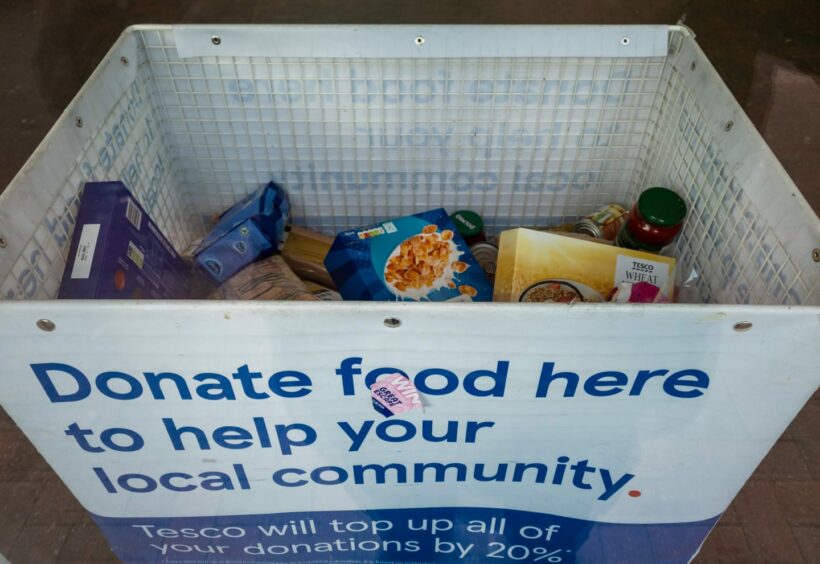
251 229
413 258
118 252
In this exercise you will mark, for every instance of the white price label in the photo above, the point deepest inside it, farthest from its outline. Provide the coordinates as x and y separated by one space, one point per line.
630 269
85 251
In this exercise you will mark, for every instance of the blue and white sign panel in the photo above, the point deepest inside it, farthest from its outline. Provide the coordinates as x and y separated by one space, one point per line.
244 432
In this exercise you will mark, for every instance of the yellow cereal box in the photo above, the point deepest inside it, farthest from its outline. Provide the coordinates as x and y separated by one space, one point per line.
536 266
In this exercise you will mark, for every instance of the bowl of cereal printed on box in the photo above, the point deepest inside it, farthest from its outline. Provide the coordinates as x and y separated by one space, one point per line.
425 263
560 291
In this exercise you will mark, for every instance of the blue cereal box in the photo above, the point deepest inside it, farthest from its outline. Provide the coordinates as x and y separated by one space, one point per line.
413 258
117 252
251 229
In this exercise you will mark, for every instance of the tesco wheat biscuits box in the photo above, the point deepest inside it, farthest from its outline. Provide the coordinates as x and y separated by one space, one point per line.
537 266
118 252
419 257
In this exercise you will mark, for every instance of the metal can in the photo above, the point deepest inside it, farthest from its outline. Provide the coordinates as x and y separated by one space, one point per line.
486 255
469 225
604 223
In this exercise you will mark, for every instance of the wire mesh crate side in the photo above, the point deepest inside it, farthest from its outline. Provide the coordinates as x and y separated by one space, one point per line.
728 251
524 141
129 142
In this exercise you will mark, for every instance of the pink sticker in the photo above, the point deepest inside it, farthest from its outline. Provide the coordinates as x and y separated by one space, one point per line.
644 293
640 293
394 394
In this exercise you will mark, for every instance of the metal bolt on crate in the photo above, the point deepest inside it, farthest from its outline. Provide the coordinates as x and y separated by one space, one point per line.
46 325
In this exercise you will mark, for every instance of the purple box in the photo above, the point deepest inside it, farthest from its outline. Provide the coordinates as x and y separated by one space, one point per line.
117 252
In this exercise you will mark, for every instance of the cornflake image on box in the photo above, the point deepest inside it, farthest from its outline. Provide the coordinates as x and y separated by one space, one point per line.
413 258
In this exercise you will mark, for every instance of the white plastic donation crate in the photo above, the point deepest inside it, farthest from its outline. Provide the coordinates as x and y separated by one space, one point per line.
549 433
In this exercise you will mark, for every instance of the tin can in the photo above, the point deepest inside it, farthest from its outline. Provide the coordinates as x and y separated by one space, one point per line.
604 223
486 255
469 225
560 228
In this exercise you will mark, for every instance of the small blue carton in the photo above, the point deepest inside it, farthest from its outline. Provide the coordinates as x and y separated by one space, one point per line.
413 258
118 252
251 229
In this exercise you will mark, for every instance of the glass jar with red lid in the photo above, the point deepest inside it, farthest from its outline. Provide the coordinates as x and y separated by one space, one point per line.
654 220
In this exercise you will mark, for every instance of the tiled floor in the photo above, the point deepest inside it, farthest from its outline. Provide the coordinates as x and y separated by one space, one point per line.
768 51
776 516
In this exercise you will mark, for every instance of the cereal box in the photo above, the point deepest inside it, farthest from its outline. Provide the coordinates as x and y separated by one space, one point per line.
412 258
536 266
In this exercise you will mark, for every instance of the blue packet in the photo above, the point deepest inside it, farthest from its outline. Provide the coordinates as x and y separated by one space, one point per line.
118 252
251 229
413 258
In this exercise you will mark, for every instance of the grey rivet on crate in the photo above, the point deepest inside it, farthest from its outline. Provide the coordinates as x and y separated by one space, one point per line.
624 41
216 40
728 126
2 242
124 61
46 325
78 121
392 322
419 40
743 326
815 255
